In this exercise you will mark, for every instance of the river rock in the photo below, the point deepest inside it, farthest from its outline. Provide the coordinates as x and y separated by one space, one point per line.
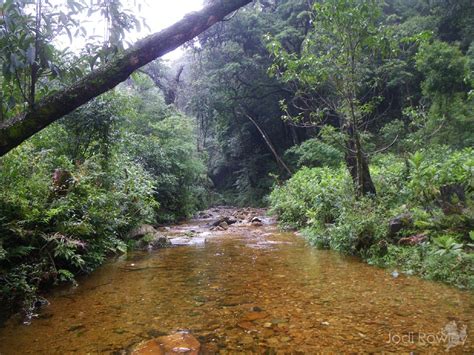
204 215
256 222
198 241
153 242
183 241
180 241
227 219
224 225
251 316
160 241
177 343
141 231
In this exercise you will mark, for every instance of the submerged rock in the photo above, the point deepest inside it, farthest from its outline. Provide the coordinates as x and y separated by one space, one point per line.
149 347
255 315
177 343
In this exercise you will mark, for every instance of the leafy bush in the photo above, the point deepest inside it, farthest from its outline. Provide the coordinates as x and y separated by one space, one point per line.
313 153
166 147
64 233
311 196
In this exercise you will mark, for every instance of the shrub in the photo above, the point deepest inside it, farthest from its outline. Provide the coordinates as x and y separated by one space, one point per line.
311 196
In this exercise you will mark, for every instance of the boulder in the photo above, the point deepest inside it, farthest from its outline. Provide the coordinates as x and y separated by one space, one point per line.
399 222
153 242
160 241
227 219
141 231
231 220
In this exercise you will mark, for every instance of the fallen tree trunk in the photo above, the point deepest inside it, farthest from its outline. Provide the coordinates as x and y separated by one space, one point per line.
53 107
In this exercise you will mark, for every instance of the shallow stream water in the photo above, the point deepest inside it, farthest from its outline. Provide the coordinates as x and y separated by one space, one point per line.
251 289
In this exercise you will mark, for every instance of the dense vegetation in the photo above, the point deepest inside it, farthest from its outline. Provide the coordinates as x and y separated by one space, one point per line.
355 117
70 195
412 206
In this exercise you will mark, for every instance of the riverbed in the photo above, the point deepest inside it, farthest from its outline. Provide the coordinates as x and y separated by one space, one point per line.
249 289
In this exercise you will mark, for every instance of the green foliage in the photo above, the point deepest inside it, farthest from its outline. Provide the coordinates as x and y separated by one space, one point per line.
311 196
433 168
447 244
453 268
228 79
444 68
167 149
58 234
70 195
319 200
313 153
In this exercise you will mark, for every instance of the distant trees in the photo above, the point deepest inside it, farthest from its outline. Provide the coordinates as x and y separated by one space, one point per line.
226 80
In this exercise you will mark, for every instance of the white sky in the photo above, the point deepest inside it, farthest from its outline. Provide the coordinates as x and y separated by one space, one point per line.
158 14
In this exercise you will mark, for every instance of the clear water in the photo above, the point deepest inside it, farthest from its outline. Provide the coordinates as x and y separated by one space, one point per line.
248 289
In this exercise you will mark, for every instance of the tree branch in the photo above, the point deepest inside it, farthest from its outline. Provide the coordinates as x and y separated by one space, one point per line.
53 107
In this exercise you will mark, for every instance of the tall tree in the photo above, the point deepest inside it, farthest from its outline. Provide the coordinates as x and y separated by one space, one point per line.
333 76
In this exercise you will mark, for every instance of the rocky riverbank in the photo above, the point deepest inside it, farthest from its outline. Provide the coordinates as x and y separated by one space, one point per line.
196 231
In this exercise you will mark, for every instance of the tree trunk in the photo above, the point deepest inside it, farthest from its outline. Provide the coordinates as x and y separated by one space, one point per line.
357 164
51 108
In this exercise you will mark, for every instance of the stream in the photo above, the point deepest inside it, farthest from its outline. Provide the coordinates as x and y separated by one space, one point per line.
249 289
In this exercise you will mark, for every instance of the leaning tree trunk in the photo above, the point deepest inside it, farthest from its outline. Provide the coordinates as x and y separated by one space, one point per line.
358 165
53 107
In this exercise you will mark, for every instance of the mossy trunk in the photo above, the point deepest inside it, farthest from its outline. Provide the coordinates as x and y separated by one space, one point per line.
41 114
358 165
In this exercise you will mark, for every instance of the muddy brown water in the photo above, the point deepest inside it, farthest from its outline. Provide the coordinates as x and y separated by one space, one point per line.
254 290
